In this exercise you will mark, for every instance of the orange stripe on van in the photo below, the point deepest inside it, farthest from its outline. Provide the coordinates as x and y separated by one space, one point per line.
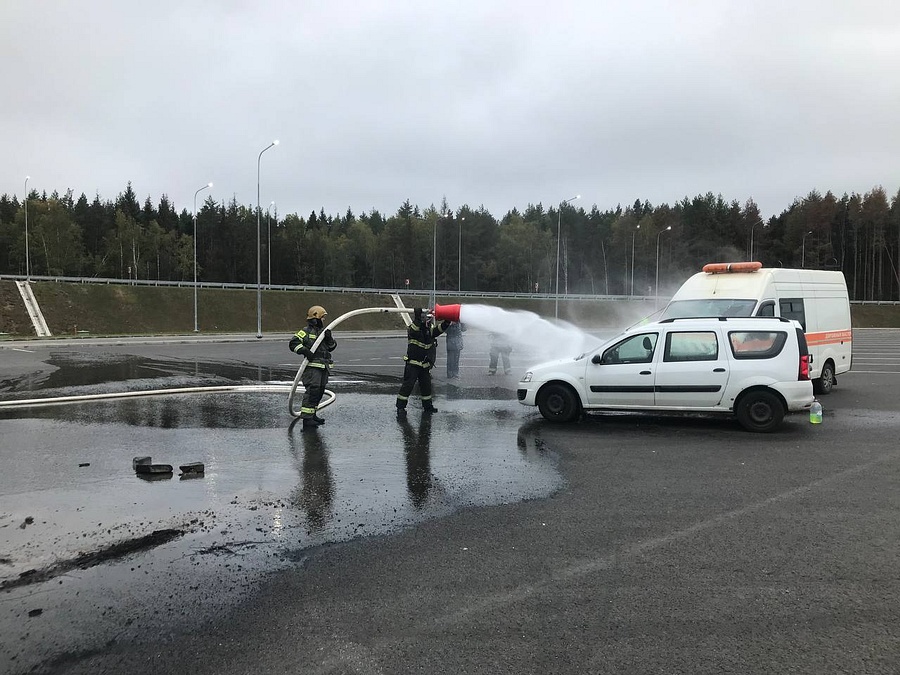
829 337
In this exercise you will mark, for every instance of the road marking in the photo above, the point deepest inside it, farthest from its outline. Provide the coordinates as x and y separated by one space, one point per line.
615 558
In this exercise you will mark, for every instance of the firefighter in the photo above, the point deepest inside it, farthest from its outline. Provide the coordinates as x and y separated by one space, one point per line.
420 356
318 368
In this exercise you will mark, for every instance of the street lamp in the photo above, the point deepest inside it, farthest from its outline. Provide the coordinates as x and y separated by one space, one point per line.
434 259
632 258
758 222
269 239
258 243
208 185
803 250
656 301
558 231
459 257
27 261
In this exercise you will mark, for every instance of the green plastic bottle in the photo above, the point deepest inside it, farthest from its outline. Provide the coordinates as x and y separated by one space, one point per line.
815 413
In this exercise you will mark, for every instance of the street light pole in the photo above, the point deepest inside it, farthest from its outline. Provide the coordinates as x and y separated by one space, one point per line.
803 250
632 258
269 240
258 244
459 257
27 260
758 222
558 233
656 301
208 185
434 262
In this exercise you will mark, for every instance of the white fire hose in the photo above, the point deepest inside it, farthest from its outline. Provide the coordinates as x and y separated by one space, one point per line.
329 396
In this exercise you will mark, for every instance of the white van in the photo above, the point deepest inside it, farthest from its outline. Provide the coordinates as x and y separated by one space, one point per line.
817 299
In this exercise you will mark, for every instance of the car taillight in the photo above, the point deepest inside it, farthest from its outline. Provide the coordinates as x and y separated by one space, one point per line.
804 368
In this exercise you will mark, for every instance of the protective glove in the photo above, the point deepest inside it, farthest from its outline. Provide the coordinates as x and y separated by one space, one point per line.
328 337
417 315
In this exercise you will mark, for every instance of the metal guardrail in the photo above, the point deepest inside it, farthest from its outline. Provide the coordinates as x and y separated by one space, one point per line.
374 291
324 289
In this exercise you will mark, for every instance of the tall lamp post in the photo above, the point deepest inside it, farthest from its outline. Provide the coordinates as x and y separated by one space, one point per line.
27 260
558 232
758 222
656 301
269 240
208 185
803 250
459 257
632 258
258 244
434 260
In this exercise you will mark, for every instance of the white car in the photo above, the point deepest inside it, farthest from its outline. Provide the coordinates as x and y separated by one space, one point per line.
756 369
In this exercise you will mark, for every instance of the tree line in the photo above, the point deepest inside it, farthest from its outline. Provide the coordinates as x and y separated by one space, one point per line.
620 251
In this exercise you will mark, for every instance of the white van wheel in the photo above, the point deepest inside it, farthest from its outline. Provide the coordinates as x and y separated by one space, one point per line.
826 381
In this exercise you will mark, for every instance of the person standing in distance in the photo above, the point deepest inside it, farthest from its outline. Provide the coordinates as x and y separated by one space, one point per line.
318 368
454 347
421 352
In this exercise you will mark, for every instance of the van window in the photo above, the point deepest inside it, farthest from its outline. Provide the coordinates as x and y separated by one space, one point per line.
792 308
708 307
693 346
636 349
756 344
766 309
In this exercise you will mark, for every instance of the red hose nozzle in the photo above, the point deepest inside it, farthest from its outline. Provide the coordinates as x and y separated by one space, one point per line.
446 312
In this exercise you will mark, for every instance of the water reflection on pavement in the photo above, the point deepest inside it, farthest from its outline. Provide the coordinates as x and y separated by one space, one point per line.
89 545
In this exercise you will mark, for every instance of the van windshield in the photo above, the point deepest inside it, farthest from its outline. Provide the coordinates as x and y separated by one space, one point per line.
705 307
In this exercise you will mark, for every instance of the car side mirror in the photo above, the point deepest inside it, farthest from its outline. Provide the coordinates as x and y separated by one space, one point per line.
596 358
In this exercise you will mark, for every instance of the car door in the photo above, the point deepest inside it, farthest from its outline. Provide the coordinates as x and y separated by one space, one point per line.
693 369
621 375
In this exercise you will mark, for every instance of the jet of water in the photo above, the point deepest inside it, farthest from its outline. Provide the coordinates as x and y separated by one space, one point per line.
556 340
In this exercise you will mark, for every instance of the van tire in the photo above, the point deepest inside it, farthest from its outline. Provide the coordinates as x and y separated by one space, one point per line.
558 402
760 411
825 383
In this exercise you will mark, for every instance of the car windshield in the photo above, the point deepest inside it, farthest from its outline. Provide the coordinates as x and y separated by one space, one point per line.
706 307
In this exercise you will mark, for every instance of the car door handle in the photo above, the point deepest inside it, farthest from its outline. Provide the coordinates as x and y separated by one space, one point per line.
646 372
718 370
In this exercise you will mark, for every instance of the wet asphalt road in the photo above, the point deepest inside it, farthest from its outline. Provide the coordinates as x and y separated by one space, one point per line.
482 541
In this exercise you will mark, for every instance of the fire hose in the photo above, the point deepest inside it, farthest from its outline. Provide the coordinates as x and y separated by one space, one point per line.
441 313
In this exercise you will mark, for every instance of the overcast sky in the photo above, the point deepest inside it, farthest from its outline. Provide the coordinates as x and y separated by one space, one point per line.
495 103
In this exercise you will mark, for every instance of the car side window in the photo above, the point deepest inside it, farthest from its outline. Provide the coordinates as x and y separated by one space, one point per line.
635 349
756 344
691 346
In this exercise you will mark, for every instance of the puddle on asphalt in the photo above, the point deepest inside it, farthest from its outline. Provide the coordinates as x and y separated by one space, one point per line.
270 492
77 373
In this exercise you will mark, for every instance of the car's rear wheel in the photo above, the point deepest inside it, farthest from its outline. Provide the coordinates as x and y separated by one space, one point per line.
760 411
826 381
558 403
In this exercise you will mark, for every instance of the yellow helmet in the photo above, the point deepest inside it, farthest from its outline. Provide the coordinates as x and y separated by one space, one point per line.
316 312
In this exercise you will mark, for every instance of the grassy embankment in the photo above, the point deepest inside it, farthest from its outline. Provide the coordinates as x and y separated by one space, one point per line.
95 309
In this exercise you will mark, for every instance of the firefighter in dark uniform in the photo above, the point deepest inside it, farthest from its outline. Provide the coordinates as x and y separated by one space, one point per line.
420 356
318 368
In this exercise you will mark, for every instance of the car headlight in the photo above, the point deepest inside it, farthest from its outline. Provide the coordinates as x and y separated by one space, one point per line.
526 377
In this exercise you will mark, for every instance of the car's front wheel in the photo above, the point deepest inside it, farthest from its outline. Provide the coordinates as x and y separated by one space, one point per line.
558 403
760 411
